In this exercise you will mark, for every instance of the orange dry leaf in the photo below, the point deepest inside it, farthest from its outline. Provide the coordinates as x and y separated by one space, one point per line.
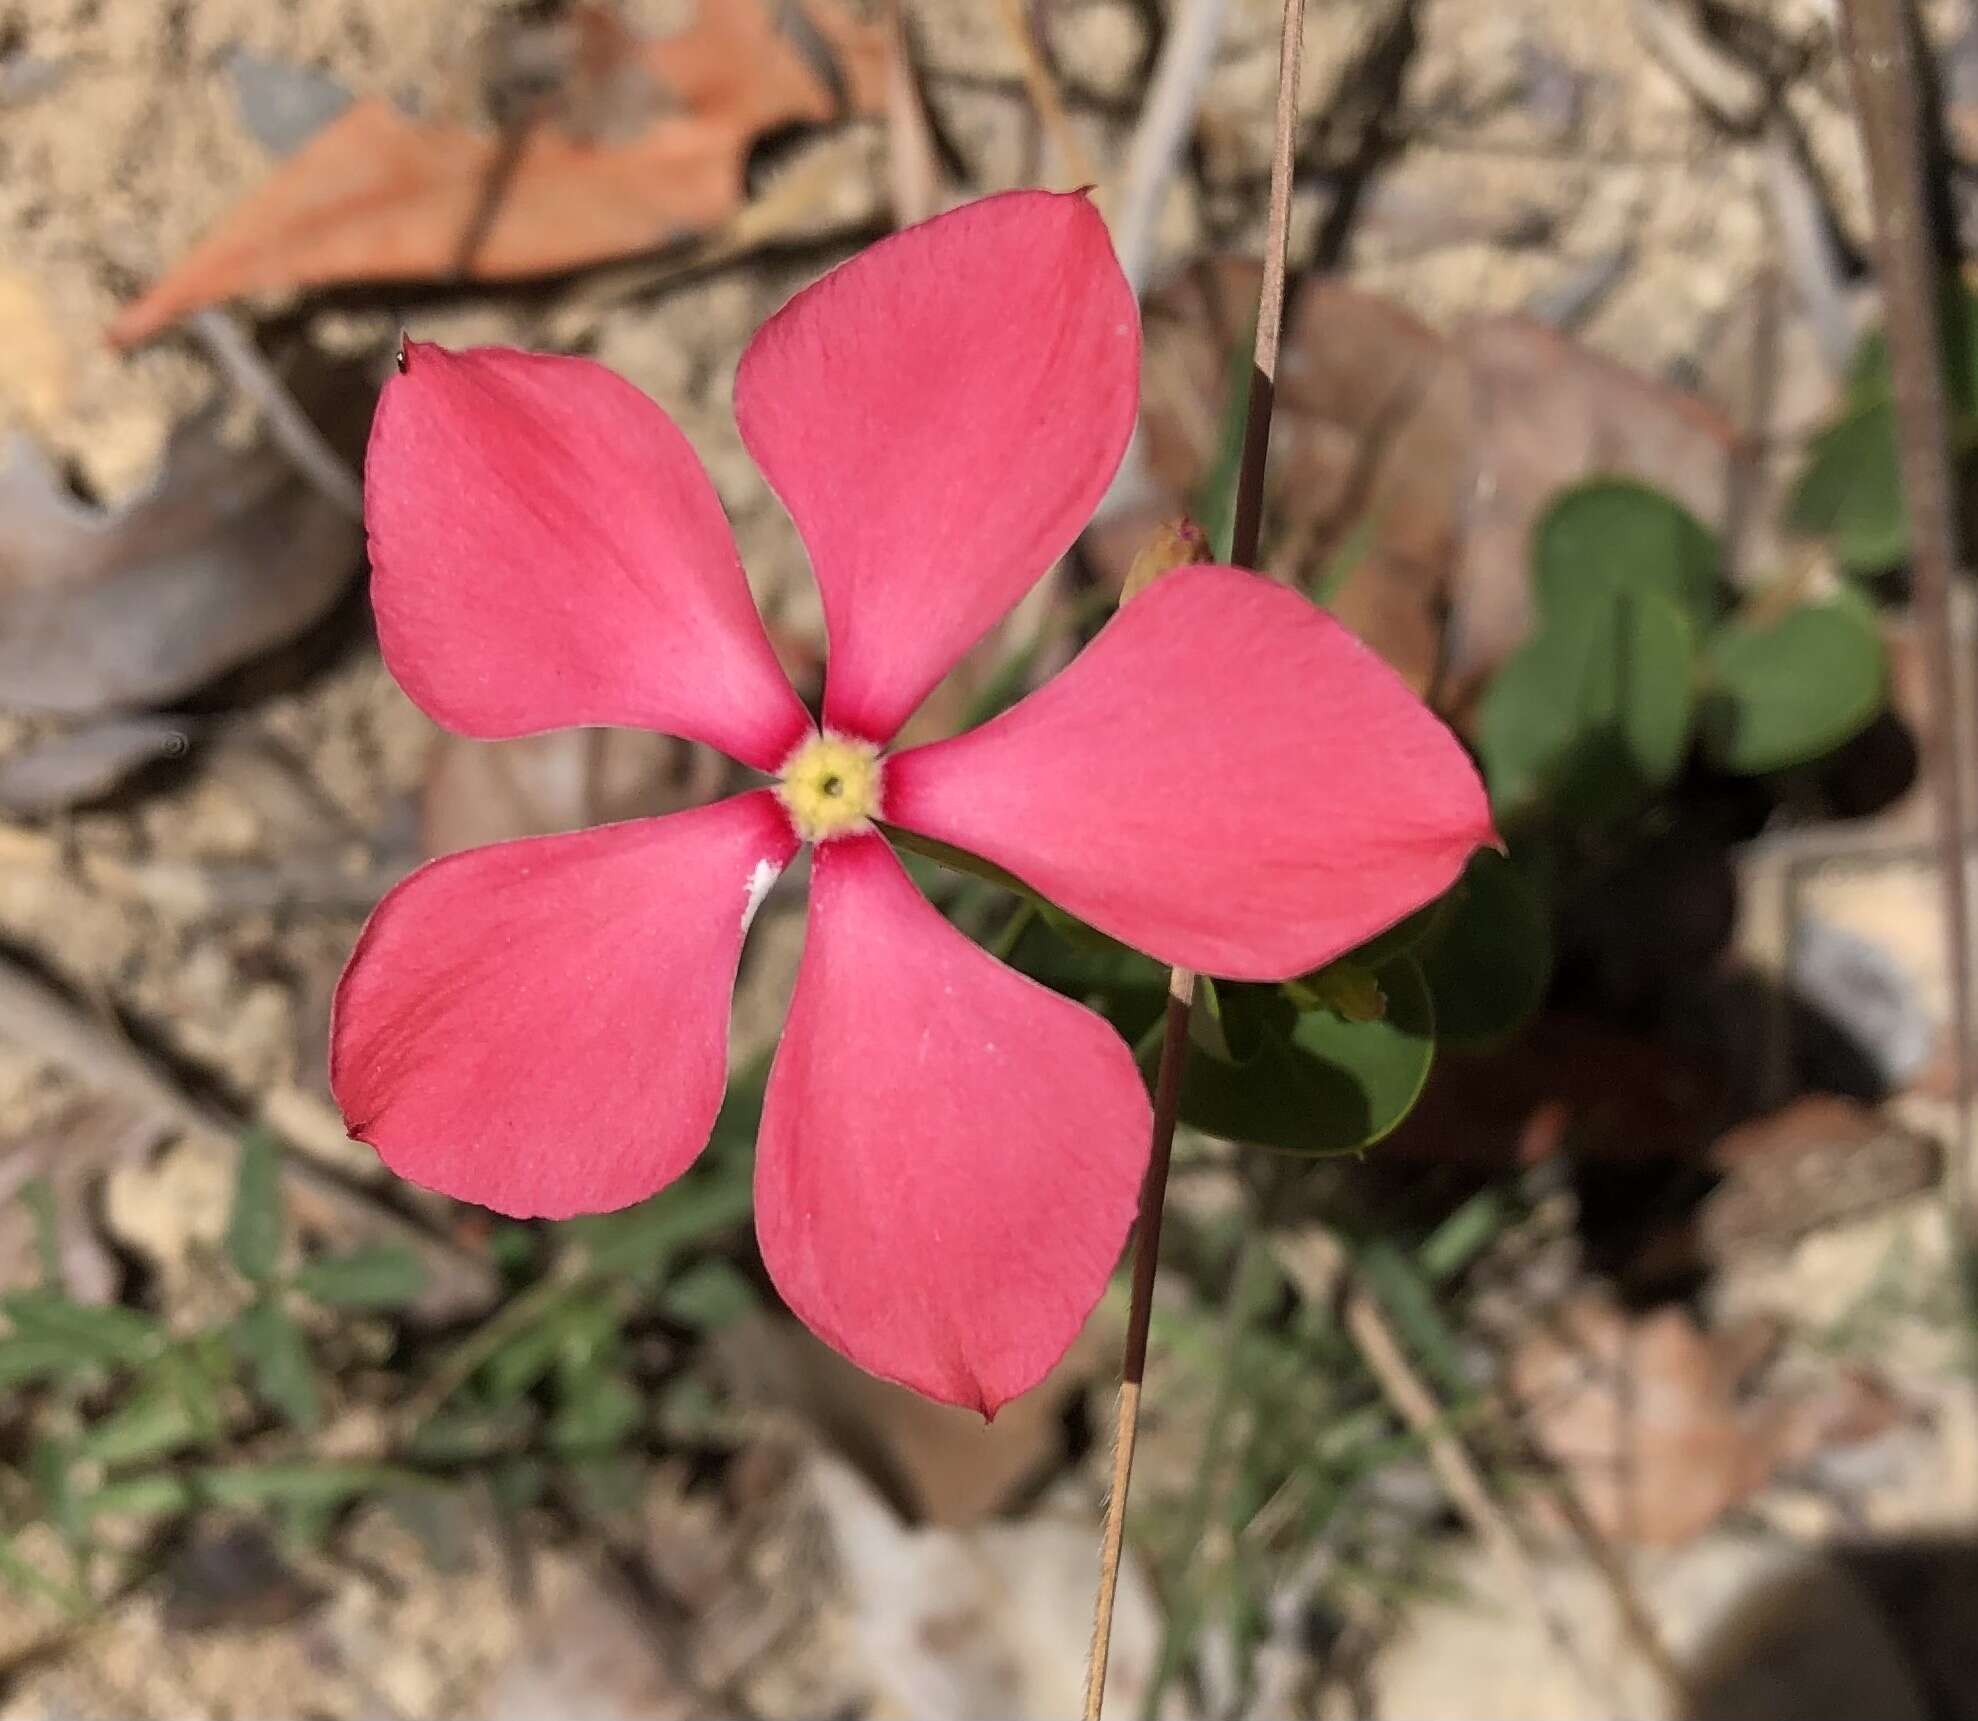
380 196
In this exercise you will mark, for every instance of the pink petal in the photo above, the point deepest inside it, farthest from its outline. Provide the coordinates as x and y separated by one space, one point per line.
542 1026
1225 778
547 552
950 1156
941 415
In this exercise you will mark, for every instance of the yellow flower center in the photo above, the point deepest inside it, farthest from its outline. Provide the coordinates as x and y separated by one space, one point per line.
830 786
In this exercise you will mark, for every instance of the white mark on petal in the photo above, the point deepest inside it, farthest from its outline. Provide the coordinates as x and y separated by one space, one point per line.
760 880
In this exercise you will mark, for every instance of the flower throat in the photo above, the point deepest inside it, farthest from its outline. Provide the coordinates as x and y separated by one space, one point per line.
830 786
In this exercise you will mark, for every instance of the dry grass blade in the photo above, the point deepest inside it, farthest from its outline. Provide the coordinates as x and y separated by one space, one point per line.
1888 97
1167 119
1457 1471
1045 95
1181 983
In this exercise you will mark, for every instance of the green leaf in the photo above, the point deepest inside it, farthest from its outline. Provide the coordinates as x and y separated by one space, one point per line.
1787 691
1871 379
698 1209
1130 990
959 860
1404 938
277 1355
607 1485
111 1335
577 1327
709 1295
1214 503
1850 491
1320 1084
325 1484
379 1276
516 1484
254 1231
1401 1288
1593 711
1610 538
1350 991
472 1433
1491 960
38 1197
175 1407
160 1495
49 1467
600 1409
1464 1235
24 1360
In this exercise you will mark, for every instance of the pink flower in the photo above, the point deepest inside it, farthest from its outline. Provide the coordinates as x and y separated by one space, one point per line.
950 1154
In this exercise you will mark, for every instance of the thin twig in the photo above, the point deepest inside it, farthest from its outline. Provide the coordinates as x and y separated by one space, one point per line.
1461 1480
1133 1365
915 182
1045 96
1882 63
291 428
1167 121
1181 982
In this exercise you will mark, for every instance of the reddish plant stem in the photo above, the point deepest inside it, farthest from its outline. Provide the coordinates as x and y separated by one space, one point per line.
1181 983
1881 44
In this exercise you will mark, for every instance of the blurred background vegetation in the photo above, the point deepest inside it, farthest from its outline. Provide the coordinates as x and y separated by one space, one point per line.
1560 1310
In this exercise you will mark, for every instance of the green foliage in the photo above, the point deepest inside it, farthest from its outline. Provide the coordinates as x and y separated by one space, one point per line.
1490 960
1316 1080
130 1421
254 1229
1214 502
1791 689
1630 663
38 1197
111 1337
1611 539
379 1276
1595 708
174 1404
708 1296
276 1355
1849 491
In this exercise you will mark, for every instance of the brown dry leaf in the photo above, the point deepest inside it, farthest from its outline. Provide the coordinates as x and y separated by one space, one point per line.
1817 1161
1418 460
229 553
1546 412
1653 1421
491 791
380 196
